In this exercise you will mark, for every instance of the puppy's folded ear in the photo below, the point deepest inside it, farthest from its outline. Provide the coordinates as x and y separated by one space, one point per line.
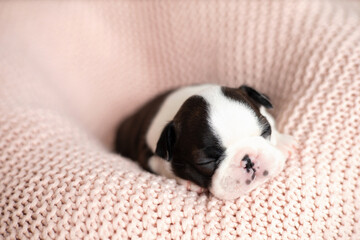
257 97
166 142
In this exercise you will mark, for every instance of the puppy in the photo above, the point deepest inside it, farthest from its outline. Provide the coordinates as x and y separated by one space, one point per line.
219 138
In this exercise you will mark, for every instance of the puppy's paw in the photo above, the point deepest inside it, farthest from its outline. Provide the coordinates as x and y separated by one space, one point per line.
286 144
190 186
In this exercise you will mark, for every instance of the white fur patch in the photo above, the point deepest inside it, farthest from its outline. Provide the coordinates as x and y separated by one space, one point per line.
161 166
230 120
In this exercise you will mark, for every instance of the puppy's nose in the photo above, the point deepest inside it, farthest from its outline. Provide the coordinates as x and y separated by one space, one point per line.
249 164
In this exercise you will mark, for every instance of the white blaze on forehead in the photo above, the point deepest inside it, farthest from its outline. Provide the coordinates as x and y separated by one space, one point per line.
230 120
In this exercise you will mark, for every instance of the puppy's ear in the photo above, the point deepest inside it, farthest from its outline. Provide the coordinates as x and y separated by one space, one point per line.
257 97
166 142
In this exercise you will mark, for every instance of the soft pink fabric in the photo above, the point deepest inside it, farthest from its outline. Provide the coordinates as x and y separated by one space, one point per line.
71 70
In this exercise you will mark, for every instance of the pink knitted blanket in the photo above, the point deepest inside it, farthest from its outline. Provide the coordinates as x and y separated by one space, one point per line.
71 70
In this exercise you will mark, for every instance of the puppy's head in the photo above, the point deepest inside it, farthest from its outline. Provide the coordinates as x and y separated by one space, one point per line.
220 140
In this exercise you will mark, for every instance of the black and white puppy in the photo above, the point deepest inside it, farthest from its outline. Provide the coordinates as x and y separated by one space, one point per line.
219 138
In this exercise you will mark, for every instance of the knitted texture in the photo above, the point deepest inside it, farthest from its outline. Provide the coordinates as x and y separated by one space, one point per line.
71 70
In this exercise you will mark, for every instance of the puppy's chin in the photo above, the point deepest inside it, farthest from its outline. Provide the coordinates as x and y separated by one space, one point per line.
248 164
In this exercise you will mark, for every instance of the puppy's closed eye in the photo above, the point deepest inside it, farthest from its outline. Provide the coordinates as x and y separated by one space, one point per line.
214 152
267 131
206 166
208 159
205 161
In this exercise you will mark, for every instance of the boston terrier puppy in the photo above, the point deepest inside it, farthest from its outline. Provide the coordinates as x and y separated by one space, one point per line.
219 138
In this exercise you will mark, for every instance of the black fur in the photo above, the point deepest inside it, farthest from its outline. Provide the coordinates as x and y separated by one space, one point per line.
194 152
257 97
165 144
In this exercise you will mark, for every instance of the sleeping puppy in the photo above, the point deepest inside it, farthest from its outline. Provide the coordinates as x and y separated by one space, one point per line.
219 138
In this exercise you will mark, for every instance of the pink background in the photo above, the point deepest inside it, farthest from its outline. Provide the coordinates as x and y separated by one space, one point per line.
70 71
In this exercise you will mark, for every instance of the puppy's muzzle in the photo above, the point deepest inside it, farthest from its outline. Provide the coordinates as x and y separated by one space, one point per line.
248 164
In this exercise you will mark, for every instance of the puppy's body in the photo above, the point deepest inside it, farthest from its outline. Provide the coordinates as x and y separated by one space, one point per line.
219 138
